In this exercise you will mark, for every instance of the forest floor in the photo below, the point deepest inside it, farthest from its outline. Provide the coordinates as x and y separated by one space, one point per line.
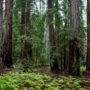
6 71
44 70
41 78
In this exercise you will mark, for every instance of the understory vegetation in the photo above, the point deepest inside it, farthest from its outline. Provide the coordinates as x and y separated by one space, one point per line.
36 81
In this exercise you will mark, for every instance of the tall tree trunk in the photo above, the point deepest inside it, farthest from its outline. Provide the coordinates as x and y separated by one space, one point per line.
74 60
23 17
57 25
66 26
88 35
8 36
1 18
53 57
26 27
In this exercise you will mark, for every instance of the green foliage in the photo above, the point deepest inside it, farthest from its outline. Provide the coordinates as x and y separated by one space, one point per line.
32 81
36 32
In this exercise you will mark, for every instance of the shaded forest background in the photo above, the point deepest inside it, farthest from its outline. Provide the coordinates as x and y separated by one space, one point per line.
51 33
44 44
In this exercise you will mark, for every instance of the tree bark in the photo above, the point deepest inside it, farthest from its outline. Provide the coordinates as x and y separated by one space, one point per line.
66 8
74 57
53 57
8 36
88 35
26 27
1 42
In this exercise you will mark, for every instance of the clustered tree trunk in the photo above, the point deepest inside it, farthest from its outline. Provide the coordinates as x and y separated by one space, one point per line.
74 58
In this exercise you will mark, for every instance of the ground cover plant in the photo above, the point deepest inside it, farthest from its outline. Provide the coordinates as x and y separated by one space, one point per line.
36 81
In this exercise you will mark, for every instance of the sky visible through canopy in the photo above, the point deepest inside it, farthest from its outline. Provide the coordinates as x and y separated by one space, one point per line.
84 11
60 1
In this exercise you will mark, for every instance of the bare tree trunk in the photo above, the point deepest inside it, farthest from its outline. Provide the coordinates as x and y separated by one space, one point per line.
66 8
1 42
23 18
88 35
53 57
26 27
74 57
8 36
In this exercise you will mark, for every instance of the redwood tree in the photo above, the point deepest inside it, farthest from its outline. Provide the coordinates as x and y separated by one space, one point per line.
66 13
26 27
53 57
74 60
88 35
1 18
8 34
